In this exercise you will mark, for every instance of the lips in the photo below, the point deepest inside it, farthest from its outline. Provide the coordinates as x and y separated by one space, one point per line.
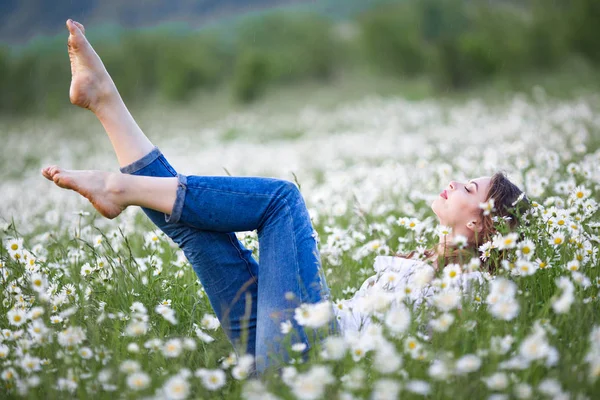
444 195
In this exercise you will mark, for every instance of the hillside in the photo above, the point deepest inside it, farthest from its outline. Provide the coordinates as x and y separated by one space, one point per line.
41 17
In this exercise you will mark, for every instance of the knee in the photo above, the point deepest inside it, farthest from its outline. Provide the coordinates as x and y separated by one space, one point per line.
285 200
289 191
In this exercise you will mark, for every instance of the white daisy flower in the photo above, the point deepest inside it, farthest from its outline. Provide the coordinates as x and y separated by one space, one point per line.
467 364
138 380
212 379
16 316
176 388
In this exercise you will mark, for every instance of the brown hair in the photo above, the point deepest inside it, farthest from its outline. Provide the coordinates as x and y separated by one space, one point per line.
510 203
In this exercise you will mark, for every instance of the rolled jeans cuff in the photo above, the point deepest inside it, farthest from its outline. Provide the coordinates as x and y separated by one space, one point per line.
142 162
179 200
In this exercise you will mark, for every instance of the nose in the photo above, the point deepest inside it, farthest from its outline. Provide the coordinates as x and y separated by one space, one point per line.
453 185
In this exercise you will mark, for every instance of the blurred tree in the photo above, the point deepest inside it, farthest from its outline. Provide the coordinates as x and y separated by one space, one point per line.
442 20
547 33
496 42
297 46
4 78
584 28
22 86
251 76
187 64
392 39
53 73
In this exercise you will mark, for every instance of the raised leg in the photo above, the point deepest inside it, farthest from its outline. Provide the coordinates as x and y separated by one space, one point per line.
226 269
93 88
289 273
195 211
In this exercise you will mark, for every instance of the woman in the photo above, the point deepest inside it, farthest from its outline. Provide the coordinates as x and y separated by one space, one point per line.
403 279
201 214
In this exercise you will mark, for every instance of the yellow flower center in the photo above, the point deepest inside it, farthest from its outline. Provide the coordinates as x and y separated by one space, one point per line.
17 318
452 274
412 345
579 195
558 240
14 247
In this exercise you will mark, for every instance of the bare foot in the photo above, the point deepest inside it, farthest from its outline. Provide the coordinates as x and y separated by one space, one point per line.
102 189
91 84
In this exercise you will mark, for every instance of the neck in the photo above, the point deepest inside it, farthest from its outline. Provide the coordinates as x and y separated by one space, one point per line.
444 243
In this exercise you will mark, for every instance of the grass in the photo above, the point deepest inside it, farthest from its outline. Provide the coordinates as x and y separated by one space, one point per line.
363 164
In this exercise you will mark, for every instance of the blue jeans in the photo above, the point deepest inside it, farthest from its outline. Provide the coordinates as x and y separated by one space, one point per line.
250 299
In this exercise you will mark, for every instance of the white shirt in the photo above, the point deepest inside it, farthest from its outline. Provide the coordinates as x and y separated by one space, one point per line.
396 280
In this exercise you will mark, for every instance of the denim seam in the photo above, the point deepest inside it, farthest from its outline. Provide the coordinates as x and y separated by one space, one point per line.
298 278
277 197
232 191
141 163
175 215
287 207
167 166
244 259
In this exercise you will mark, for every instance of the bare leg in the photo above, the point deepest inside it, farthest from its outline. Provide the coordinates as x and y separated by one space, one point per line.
226 269
93 88
110 193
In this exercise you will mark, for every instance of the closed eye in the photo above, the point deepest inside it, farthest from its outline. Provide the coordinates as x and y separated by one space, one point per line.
468 191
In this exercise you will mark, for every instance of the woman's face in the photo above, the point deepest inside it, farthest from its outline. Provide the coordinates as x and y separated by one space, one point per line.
458 205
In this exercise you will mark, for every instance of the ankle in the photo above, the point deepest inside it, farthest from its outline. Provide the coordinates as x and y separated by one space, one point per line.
108 99
115 185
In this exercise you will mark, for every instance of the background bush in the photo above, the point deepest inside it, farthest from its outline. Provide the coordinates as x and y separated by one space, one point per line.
454 43
251 75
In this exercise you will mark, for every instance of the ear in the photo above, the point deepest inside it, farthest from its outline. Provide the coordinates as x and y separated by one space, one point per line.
475 226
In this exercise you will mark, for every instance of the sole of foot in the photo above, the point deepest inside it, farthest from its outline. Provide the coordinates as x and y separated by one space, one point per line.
100 188
91 85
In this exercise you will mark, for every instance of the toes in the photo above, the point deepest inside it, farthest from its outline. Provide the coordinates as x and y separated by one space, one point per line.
80 26
71 27
61 180
75 27
54 170
77 34
48 172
